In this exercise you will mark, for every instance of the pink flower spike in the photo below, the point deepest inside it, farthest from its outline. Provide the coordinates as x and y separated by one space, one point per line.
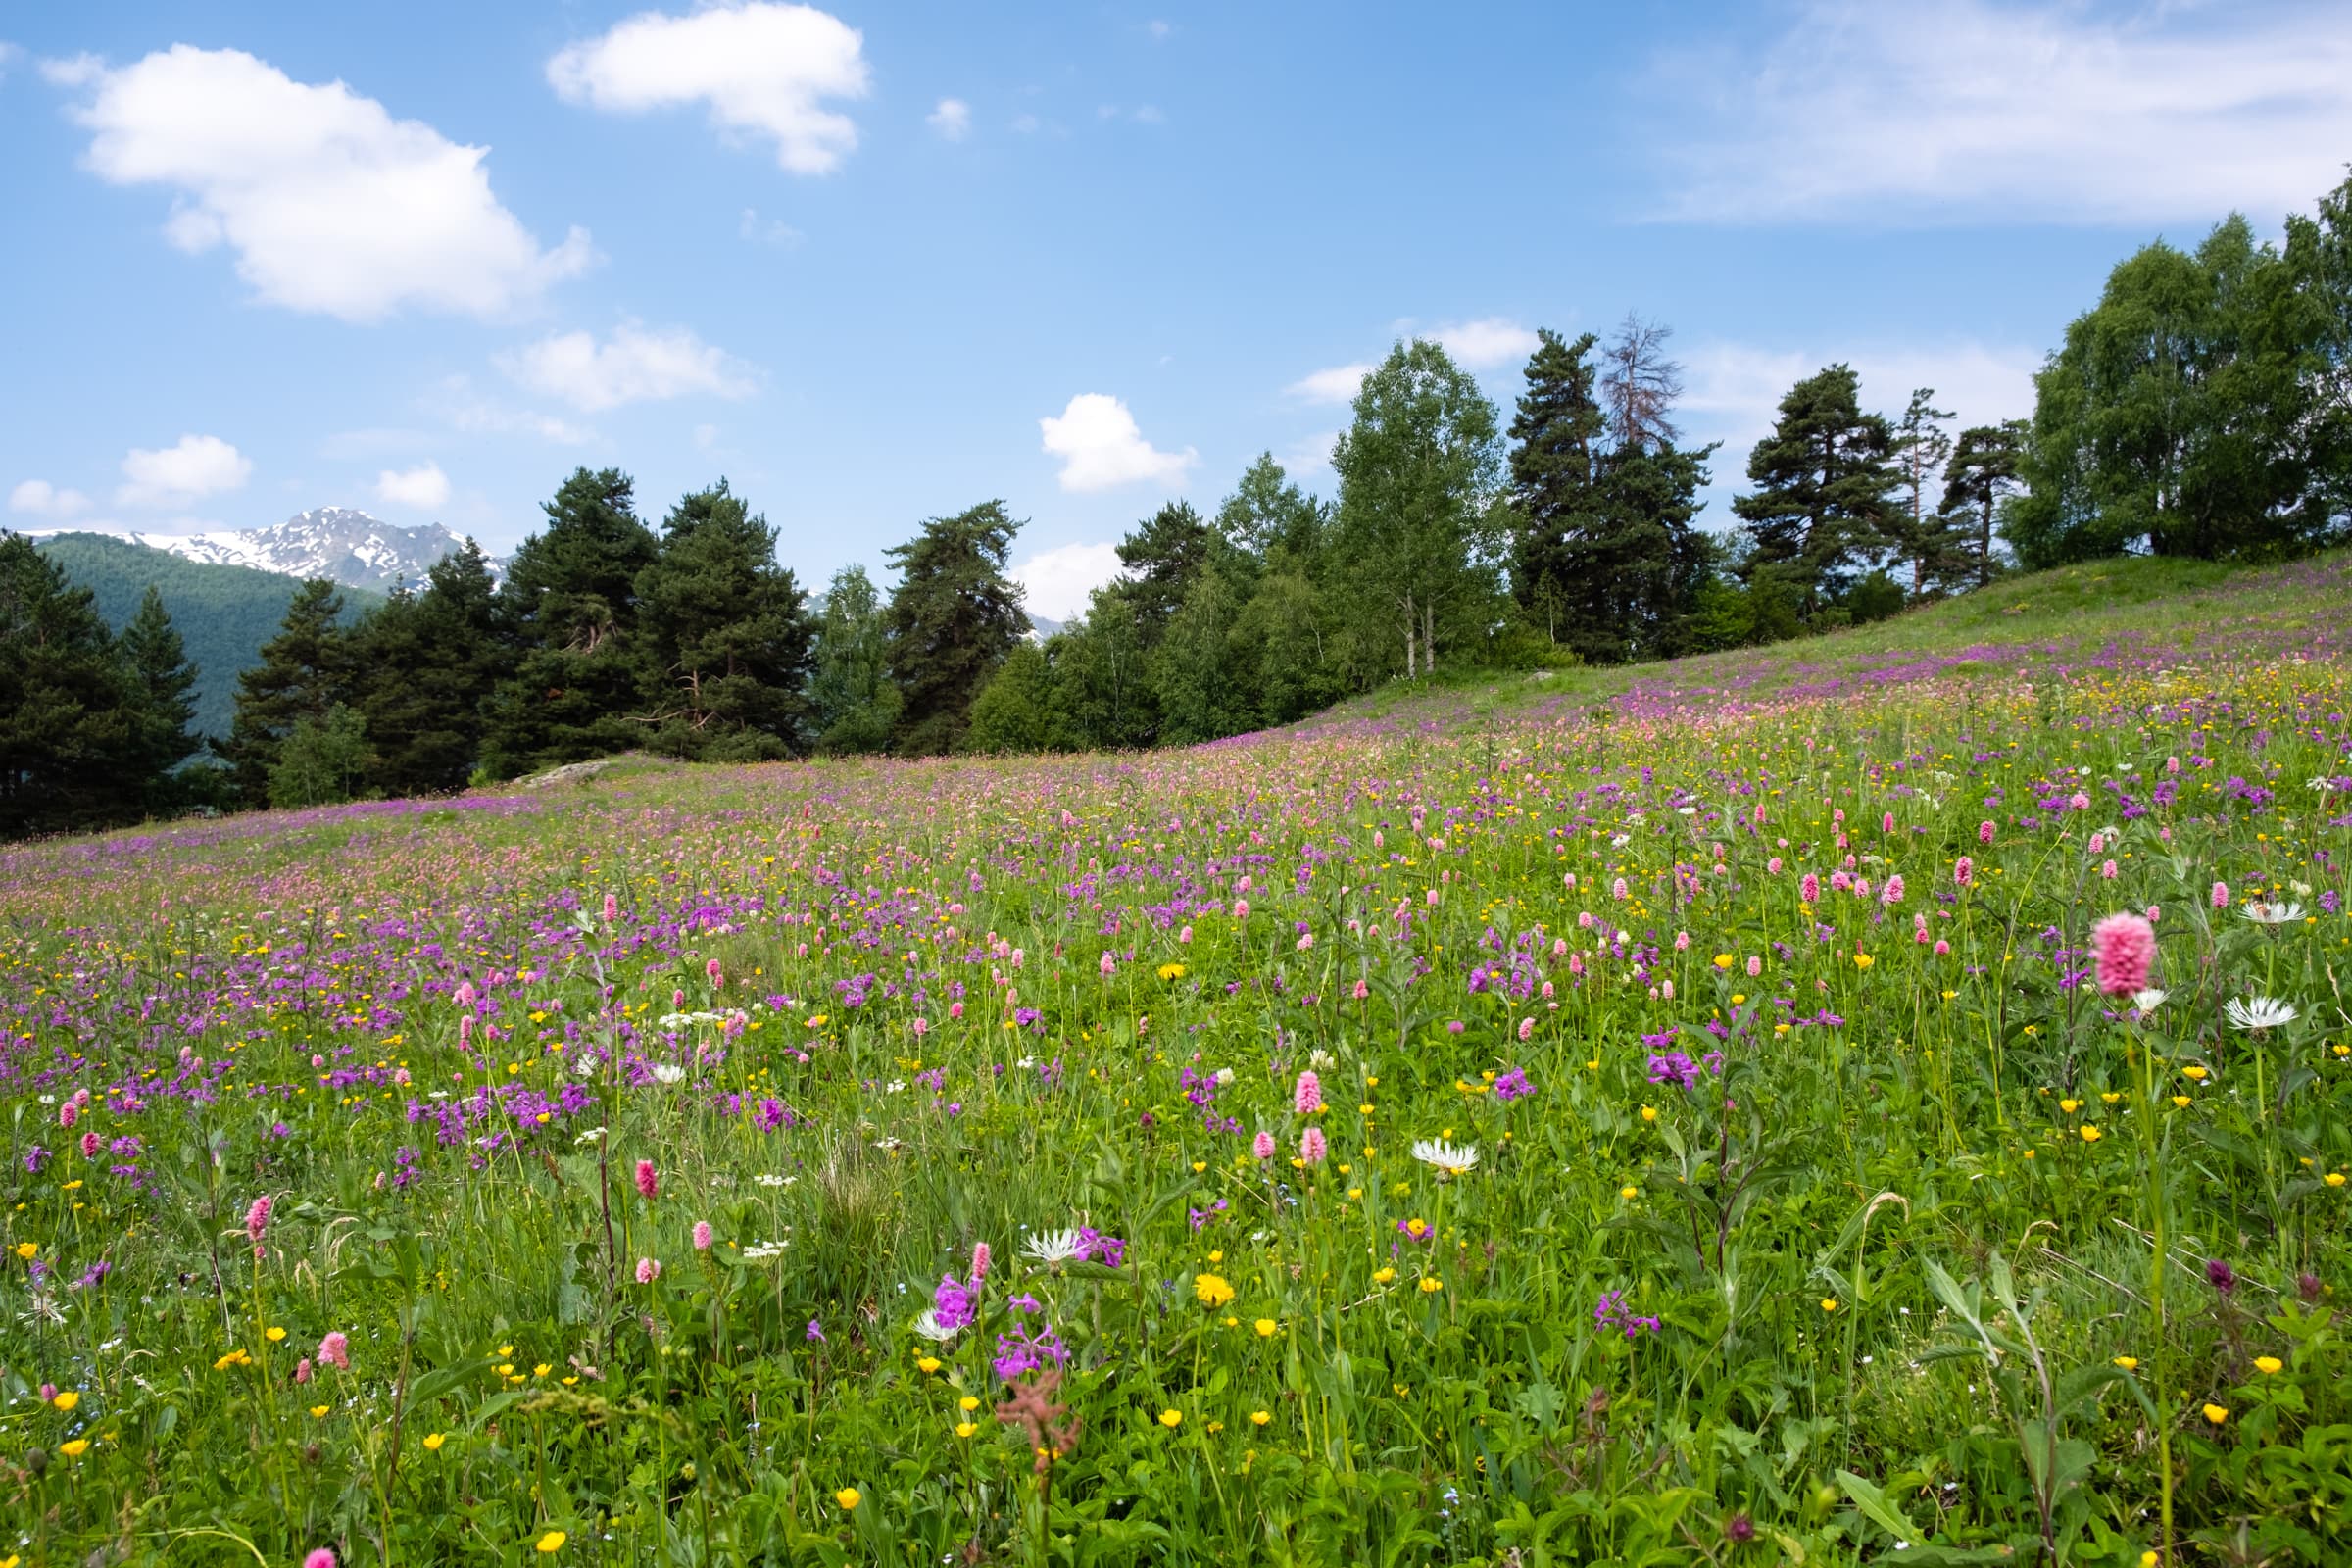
648 1271
979 1263
1262 1146
1312 1145
702 1236
256 1219
1307 1097
649 1180
2123 949
320 1558
335 1350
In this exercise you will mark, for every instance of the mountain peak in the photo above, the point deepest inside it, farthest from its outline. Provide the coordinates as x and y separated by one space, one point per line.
339 542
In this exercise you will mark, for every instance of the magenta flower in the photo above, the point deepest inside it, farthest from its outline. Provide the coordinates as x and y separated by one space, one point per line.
2123 948
257 1218
702 1236
648 1271
320 1558
979 1263
2221 895
1311 1146
1307 1096
1262 1146
1964 872
649 1180
1983 832
335 1350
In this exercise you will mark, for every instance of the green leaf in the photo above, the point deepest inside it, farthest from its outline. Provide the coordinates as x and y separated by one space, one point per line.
1875 1505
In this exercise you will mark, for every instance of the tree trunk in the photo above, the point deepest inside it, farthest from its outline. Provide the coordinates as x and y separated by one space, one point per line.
1429 639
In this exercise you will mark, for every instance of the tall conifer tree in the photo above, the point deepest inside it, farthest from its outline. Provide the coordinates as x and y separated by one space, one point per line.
730 637
304 672
953 619
1823 490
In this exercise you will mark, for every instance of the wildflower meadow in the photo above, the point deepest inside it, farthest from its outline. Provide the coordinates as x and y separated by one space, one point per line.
1867 1102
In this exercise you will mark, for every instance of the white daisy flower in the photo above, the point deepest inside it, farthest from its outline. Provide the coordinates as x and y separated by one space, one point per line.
931 1328
1054 1248
2260 1012
2149 1000
1449 1160
669 1073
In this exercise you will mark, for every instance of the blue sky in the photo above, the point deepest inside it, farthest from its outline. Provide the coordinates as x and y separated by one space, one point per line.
877 262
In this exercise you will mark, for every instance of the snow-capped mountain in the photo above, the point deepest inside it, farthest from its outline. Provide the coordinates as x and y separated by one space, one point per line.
333 542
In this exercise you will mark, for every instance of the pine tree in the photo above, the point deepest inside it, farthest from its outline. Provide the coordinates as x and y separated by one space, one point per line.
429 662
853 706
1554 491
1418 538
1921 450
730 635
164 684
1983 471
1164 555
569 608
1824 489
74 744
1607 560
953 619
304 671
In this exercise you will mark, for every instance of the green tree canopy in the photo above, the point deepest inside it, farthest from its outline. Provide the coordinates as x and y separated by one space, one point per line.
855 706
569 608
729 635
1417 537
2179 417
303 672
74 747
1823 502
953 619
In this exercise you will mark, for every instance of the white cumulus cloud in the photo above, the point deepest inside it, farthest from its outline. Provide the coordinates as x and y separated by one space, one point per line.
1057 582
1100 448
1483 344
42 499
953 118
764 70
423 486
177 475
329 202
1338 384
1950 110
632 366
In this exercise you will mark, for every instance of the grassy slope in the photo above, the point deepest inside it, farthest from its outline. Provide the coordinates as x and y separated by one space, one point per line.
225 614
2135 605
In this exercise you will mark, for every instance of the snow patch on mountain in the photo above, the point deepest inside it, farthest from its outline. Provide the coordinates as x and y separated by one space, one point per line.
337 543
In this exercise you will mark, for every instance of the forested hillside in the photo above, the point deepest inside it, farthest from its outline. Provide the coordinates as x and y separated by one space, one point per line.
223 614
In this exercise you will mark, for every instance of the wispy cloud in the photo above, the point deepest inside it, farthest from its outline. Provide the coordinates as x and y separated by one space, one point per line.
634 365
1952 111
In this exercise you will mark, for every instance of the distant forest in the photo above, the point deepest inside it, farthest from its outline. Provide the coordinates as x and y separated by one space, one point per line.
223 614
2201 408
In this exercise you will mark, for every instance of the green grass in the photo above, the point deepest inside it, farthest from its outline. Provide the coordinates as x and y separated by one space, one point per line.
1887 1240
